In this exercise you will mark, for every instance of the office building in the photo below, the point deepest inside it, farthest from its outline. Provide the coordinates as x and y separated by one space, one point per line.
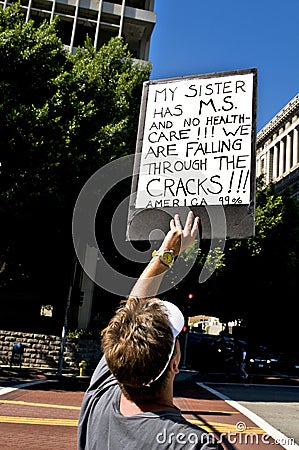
134 20
277 152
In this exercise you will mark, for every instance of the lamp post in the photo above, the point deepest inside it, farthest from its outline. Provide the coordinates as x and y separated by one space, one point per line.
186 329
65 324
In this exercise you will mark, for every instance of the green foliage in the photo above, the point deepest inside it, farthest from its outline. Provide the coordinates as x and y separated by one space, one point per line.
111 81
215 260
62 114
30 59
79 333
253 275
62 117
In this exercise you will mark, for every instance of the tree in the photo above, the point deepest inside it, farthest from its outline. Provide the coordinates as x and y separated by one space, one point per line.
62 117
256 280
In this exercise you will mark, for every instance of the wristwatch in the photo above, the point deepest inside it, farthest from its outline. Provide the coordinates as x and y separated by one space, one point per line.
166 256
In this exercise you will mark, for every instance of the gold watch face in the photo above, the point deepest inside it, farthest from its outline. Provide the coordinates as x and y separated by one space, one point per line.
167 257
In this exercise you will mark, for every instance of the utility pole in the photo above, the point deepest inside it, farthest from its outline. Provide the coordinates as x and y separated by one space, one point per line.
65 324
185 350
190 297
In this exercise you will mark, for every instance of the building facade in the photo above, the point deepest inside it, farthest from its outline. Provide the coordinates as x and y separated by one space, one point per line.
134 20
277 150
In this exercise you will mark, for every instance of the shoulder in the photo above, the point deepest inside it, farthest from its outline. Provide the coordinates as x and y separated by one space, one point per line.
103 385
102 377
101 382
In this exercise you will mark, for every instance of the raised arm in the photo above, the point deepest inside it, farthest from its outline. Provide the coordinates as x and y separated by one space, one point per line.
176 240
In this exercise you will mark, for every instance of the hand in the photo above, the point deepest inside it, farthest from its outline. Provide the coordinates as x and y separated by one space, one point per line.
179 238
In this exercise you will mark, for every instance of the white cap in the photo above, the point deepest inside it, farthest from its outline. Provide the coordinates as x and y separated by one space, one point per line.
175 317
177 321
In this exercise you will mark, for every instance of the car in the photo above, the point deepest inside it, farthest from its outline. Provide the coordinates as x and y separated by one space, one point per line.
261 359
288 363
207 352
201 350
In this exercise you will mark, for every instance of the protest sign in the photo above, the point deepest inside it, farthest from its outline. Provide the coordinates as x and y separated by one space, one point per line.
196 150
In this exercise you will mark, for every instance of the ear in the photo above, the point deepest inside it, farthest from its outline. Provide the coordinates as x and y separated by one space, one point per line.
174 366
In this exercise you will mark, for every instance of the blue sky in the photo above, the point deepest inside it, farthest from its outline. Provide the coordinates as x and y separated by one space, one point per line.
194 37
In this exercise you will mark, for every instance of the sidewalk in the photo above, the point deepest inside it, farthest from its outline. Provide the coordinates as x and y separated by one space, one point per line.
13 376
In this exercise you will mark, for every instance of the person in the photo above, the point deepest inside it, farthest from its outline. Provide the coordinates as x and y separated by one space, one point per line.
241 362
228 359
129 403
17 354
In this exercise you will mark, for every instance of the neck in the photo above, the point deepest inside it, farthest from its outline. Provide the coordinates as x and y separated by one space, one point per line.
161 403
130 408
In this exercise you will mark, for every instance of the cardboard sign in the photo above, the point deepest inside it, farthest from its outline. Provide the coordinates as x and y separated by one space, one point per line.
196 150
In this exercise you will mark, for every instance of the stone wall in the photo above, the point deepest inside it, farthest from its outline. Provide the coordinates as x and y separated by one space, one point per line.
42 351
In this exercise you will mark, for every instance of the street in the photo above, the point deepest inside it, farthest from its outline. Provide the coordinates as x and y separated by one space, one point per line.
278 405
43 414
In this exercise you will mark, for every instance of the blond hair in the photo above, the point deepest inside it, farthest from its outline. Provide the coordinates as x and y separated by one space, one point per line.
137 343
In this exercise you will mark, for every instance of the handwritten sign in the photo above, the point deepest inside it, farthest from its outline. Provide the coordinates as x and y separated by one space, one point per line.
196 143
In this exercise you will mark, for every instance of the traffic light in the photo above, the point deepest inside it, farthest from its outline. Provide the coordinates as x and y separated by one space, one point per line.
190 296
186 327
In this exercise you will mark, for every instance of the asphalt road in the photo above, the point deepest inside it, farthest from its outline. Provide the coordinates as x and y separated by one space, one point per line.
43 412
278 405
39 416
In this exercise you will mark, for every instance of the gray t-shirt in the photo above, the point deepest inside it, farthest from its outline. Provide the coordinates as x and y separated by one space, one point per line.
103 427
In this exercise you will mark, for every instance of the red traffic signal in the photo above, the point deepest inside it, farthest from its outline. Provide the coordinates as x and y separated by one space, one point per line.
190 296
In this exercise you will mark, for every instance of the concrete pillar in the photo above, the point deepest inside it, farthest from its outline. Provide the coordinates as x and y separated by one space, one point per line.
281 158
289 151
87 287
295 147
275 162
257 169
269 166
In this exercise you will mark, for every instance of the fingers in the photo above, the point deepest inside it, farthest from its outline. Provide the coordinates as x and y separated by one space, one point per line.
178 238
177 222
191 225
195 227
189 222
172 225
